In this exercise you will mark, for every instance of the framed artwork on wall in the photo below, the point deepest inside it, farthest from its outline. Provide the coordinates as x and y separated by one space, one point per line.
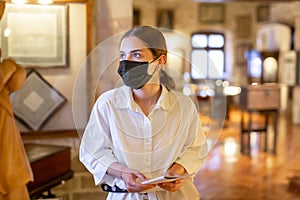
243 26
211 12
262 13
35 36
165 19
36 101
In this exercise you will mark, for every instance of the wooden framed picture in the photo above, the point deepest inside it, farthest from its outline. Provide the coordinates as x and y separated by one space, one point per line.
35 36
262 13
211 12
165 19
243 26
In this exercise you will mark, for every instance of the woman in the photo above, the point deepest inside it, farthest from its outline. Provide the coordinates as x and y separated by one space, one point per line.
144 129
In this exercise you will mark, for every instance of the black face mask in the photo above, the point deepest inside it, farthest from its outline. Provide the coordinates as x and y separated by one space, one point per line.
134 74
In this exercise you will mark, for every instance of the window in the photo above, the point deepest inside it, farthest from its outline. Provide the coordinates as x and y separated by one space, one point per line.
207 56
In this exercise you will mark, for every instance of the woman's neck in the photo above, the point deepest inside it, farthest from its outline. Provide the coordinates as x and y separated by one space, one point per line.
147 97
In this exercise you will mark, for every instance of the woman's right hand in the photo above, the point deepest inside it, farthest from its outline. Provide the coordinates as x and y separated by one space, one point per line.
133 179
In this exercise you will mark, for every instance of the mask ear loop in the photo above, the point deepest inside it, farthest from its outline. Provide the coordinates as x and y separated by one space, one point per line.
156 65
154 59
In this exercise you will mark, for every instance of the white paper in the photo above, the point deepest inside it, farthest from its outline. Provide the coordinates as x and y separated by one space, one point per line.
164 179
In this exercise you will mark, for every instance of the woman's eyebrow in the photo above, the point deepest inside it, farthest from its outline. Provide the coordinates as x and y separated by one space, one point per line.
134 51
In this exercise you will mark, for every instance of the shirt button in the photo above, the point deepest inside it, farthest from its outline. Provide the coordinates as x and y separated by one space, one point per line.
147 161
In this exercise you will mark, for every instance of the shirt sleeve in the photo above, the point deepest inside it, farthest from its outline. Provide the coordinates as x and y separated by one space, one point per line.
96 146
195 150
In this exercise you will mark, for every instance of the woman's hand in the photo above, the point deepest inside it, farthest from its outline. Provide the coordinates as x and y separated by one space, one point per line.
132 179
175 170
172 186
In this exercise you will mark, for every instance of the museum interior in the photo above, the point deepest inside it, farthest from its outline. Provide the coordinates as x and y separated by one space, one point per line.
239 60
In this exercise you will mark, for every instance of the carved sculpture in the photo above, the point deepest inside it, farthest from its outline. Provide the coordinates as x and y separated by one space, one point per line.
15 170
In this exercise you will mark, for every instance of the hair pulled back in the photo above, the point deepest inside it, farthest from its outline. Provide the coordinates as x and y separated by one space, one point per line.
155 41
152 38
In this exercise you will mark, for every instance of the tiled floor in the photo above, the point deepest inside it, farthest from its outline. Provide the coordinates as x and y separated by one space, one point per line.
229 175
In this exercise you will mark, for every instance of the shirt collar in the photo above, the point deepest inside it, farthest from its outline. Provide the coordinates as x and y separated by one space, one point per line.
122 94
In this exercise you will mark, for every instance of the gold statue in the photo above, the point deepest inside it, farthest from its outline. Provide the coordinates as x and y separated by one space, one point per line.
15 170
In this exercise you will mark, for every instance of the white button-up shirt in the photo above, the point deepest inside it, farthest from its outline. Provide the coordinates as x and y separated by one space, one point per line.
118 131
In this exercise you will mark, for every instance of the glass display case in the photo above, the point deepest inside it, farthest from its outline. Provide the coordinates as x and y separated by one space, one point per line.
262 66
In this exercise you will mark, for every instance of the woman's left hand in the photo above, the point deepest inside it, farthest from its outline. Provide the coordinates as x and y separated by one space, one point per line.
172 186
175 169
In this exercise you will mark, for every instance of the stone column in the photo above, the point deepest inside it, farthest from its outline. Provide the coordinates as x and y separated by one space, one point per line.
105 20
107 17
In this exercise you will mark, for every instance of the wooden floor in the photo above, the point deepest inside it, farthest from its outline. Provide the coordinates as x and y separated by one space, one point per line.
229 175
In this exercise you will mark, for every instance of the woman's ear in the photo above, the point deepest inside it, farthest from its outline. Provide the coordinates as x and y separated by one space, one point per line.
162 59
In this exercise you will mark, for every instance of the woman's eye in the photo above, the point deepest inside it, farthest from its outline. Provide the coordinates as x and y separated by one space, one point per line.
122 56
137 55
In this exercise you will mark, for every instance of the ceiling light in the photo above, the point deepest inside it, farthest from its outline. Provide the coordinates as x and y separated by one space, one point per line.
19 1
45 2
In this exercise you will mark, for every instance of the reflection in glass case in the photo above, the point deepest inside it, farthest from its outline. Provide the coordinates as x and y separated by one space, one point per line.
262 67
270 67
254 66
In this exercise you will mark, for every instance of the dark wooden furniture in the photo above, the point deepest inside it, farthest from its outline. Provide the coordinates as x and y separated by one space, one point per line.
260 97
294 184
247 129
51 165
265 100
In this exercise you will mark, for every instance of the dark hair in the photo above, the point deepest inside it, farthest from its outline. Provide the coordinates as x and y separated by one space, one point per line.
156 42
152 37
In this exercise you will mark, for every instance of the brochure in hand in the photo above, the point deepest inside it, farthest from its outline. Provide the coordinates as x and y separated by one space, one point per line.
163 179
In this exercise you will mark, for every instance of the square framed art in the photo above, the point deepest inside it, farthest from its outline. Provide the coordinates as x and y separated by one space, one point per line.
36 101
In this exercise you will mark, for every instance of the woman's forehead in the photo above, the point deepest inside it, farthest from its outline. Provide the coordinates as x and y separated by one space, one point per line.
132 43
